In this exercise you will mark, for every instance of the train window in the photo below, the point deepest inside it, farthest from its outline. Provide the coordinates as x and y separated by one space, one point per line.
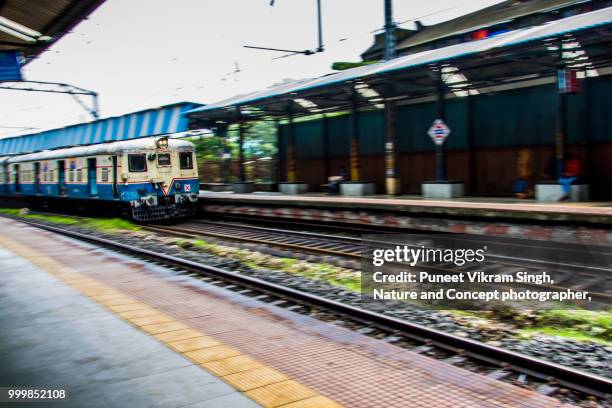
105 175
163 159
79 175
137 162
186 160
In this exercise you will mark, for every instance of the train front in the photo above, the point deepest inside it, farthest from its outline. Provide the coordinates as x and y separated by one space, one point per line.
161 181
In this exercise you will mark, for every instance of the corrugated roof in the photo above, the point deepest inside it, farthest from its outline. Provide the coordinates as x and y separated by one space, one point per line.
512 38
98 149
496 14
163 120
51 18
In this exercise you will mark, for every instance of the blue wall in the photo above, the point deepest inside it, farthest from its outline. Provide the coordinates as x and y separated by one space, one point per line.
517 118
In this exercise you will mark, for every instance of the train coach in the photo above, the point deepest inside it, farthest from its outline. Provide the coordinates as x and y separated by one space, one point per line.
147 179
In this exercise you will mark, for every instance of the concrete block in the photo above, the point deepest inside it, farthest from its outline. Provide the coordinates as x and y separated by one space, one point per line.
293 188
549 192
442 190
243 188
357 189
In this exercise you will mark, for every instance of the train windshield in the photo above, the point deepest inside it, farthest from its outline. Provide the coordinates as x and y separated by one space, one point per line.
137 162
163 159
186 159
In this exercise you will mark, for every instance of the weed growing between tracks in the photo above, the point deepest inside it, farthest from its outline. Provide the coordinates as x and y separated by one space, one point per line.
583 325
333 275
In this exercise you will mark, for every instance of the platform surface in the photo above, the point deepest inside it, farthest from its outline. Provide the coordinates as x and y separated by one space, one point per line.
467 206
274 356
51 336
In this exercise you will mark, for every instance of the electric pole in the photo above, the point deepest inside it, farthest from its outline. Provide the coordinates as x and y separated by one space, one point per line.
389 31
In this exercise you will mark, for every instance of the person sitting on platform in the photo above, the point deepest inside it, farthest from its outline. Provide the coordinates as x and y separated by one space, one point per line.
524 168
334 181
571 172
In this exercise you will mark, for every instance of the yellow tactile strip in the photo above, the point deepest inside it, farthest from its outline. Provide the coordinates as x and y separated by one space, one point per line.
263 384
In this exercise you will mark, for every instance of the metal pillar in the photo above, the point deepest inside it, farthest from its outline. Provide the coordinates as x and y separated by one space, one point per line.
291 167
392 181
560 132
560 128
470 145
278 170
389 31
326 167
354 140
241 130
441 114
588 153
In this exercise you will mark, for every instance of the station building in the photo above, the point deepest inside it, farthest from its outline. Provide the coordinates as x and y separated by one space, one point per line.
502 97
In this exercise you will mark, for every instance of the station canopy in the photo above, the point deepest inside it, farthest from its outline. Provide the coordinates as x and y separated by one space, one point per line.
30 27
515 56
165 120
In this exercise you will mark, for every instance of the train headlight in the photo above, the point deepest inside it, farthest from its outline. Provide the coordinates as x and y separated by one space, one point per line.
150 201
162 143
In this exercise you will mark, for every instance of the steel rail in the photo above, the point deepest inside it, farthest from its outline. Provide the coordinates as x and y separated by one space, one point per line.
583 381
231 233
194 233
498 257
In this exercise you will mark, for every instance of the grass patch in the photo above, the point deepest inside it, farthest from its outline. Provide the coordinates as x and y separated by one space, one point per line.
577 317
595 324
255 260
569 333
110 224
100 224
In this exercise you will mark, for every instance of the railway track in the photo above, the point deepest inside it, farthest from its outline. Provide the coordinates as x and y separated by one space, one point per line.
532 372
597 280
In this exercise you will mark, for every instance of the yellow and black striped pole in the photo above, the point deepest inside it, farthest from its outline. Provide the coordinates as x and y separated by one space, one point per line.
354 152
392 181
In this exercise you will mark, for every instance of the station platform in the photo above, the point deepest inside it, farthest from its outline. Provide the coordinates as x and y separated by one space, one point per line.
589 222
600 212
117 331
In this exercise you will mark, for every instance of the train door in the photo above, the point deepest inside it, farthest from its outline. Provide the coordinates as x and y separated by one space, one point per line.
92 177
61 176
5 179
16 173
37 178
115 191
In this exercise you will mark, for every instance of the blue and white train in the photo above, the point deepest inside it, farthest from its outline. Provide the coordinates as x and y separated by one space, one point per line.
148 179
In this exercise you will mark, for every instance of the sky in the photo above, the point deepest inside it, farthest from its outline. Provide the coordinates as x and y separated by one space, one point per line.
140 54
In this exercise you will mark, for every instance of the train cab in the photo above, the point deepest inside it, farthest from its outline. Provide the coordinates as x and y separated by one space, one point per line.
149 179
158 177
